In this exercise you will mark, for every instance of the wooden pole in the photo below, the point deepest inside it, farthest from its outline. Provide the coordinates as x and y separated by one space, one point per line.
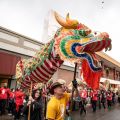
74 78
30 105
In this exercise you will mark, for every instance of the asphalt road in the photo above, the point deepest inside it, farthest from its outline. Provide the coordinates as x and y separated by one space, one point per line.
113 114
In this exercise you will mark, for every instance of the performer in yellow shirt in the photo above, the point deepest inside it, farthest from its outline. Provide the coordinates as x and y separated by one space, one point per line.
57 105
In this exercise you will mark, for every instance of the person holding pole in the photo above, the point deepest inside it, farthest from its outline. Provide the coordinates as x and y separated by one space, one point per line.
36 106
57 105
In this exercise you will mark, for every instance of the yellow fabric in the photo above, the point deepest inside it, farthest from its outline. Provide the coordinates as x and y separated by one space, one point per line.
56 107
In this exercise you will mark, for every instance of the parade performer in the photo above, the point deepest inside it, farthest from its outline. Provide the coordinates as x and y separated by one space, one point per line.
94 99
36 103
4 92
103 98
19 97
113 97
56 107
119 95
99 99
109 99
83 95
11 103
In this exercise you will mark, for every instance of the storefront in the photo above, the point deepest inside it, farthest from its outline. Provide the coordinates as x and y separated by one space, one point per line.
7 67
113 83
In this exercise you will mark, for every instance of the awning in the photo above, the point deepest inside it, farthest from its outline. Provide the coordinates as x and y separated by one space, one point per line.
8 63
116 82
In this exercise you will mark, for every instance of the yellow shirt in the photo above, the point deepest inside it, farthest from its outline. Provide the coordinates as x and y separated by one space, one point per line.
56 107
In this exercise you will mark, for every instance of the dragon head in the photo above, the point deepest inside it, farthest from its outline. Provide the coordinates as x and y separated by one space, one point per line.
75 42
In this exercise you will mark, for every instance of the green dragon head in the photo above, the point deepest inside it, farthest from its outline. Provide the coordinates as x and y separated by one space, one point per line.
75 42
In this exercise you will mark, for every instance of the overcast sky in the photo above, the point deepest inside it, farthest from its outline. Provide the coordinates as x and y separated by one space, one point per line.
27 16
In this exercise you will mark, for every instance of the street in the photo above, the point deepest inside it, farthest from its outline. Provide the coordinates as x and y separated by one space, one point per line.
113 114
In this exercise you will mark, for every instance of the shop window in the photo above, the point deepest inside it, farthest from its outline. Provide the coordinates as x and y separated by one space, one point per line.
107 72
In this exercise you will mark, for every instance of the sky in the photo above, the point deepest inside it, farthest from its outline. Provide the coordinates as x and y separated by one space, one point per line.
27 17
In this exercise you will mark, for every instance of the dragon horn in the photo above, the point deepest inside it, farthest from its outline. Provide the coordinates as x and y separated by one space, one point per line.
65 23
67 17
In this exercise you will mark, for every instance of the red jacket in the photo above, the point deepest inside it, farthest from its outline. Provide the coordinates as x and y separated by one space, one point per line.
83 94
19 97
12 95
0 93
94 95
4 93
109 96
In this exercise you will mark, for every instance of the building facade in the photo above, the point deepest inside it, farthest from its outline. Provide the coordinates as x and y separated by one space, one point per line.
14 46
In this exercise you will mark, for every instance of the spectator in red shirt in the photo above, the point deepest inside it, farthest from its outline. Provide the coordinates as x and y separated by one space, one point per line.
0 101
83 95
109 99
94 98
103 98
19 97
3 98
11 104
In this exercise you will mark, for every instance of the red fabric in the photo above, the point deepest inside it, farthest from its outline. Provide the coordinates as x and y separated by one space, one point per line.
0 96
8 91
94 95
3 93
12 94
19 96
109 96
83 94
8 61
92 78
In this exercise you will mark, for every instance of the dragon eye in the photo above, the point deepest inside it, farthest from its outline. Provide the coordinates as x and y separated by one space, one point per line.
82 32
